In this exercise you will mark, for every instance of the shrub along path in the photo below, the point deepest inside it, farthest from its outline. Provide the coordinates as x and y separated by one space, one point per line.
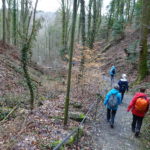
103 137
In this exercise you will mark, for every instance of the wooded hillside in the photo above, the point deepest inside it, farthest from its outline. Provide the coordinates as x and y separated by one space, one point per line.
54 68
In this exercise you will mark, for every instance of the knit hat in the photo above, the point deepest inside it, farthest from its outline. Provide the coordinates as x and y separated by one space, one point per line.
124 76
116 86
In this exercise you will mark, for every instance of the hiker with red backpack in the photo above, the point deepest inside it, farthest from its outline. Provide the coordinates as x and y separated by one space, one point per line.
139 105
112 100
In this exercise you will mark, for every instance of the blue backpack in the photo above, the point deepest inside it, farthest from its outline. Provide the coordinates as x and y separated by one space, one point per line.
113 101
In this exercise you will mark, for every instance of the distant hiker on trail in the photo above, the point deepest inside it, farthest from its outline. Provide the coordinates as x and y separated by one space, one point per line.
112 73
112 100
139 106
123 85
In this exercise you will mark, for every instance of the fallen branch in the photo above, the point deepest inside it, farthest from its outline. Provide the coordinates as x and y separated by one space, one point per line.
10 113
112 43
107 47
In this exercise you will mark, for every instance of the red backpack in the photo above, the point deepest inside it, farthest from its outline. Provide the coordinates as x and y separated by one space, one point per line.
141 104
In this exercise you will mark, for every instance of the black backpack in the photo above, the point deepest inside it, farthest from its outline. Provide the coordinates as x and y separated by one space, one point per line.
123 87
113 71
113 101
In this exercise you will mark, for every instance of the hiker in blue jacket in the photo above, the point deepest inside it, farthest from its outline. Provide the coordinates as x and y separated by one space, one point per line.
112 95
112 73
123 85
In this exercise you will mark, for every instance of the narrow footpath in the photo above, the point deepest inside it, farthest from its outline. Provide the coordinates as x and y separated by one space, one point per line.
120 137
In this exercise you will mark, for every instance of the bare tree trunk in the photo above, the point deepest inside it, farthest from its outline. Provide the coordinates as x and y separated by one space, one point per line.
132 12
65 23
82 13
70 62
94 25
9 22
14 23
145 21
89 21
99 13
4 21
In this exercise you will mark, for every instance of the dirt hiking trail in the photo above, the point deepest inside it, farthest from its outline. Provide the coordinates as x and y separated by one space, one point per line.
118 138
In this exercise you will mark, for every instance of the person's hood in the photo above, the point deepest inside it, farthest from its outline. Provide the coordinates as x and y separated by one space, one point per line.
123 79
140 95
114 91
113 67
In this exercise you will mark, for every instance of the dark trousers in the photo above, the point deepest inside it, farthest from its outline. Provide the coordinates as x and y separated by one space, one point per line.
112 79
122 95
137 123
111 115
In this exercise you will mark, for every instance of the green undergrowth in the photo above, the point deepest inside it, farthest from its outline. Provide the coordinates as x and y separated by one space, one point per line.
146 132
11 100
3 114
136 88
51 145
68 144
4 111
76 116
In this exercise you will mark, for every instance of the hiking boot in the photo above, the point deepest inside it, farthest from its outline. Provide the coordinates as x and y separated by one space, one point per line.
112 126
136 134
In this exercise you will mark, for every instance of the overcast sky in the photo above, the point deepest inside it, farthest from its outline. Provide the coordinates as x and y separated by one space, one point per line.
48 5
54 5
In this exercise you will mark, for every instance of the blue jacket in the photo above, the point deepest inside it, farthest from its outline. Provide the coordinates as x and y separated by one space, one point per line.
111 70
123 85
116 92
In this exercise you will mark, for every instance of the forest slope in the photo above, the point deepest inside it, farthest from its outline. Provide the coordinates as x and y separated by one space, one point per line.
47 119
124 60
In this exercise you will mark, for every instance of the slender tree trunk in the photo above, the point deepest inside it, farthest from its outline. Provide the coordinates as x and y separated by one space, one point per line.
9 22
49 43
132 12
122 10
145 21
79 29
67 24
14 23
128 6
70 62
4 21
89 21
82 24
99 15
94 25
24 51
83 21
63 23
117 7
82 13
110 20
25 58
